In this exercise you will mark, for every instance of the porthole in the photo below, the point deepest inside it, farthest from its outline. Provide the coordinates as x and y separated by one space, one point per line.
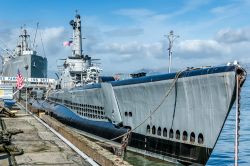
148 129
130 114
153 130
184 136
177 134
200 139
171 133
126 113
192 137
165 132
159 131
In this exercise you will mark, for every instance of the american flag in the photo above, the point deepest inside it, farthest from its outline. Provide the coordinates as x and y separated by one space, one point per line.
19 80
67 43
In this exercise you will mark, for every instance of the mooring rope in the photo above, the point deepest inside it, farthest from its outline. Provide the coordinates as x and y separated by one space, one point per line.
237 121
240 78
151 113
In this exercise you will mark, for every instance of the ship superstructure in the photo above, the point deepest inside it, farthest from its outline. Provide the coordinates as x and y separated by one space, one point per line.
78 69
24 59
176 116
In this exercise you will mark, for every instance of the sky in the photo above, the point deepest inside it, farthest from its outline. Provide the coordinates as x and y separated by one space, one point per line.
129 35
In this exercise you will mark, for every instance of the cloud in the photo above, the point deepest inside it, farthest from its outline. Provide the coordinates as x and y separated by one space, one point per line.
202 48
133 55
140 44
223 9
138 12
142 15
233 35
146 14
124 32
133 50
53 39
189 6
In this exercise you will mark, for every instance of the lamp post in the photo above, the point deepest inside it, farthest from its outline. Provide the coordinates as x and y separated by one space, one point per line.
171 38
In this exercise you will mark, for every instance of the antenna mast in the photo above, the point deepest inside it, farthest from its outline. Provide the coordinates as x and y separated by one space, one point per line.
37 24
77 36
171 38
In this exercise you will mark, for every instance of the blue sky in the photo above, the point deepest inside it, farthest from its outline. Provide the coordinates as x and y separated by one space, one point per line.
129 34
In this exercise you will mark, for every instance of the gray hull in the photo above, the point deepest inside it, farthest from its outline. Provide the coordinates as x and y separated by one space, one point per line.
185 127
33 66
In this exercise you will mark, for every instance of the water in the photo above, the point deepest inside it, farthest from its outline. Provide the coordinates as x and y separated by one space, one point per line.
223 153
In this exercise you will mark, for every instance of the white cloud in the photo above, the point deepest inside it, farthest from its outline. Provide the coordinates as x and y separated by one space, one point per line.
134 50
141 43
233 35
146 14
223 9
124 32
139 12
201 48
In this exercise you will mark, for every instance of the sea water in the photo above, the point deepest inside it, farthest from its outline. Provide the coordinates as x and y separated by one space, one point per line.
223 153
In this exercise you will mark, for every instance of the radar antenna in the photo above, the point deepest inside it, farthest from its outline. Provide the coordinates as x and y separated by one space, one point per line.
171 38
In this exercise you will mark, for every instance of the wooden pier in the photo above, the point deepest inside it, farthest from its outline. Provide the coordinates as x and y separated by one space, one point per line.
38 145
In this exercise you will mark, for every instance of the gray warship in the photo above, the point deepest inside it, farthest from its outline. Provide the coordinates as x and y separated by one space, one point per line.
24 59
176 116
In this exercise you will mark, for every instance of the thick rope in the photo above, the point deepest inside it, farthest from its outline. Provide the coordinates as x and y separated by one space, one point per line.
240 78
151 113
237 121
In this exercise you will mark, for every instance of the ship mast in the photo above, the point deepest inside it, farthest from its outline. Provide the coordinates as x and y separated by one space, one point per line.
171 38
24 40
77 36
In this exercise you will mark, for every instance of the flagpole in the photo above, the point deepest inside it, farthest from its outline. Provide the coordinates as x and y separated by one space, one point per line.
26 104
26 100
